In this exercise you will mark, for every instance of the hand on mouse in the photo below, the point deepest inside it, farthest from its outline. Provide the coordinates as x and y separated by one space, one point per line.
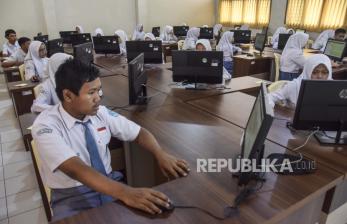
35 78
172 166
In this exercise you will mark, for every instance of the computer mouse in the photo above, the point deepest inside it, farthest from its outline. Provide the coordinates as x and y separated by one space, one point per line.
167 209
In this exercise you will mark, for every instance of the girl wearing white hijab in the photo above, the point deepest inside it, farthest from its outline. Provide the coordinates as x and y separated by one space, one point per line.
322 39
48 97
149 37
79 29
225 45
168 35
123 38
292 59
138 34
316 67
192 36
217 30
203 45
98 32
290 31
276 35
35 61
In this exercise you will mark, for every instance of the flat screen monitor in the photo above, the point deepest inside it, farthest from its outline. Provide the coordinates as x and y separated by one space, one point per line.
197 66
137 81
180 31
42 38
335 49
242 36
206 33
55 46
80 38
282 40
264 30
106 45
153 53
66 35
84 53
323 104
260 40
156 31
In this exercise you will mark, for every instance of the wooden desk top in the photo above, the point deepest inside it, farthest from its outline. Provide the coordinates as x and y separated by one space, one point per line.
11 69
21 85
114 63
191 134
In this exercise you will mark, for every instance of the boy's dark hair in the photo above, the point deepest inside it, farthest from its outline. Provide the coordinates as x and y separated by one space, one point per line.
23 40
9 31
340 30
72 74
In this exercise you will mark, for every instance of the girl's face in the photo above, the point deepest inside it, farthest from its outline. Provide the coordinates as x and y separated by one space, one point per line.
42 51
320 72
200 47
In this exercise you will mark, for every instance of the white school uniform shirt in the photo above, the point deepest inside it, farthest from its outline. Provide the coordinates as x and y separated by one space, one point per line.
138 35
34 65
275 37
59 137
10 49
292 58
47 97
123 38
192 36
322 40
19 55
168 36
288 95
225 45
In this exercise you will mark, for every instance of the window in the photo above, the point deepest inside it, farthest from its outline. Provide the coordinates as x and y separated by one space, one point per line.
316 15
255 13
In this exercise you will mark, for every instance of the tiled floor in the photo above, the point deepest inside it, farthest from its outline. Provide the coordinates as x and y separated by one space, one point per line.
20 199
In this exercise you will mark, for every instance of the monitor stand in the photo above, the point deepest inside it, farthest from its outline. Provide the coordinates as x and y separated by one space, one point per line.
323 138
143 99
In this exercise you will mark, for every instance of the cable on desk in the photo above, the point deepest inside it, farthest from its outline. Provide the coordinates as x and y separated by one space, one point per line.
308 138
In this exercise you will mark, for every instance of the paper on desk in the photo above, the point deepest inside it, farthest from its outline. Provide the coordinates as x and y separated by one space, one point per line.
21 85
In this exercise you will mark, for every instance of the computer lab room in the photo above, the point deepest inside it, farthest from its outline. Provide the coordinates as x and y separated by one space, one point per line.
185 111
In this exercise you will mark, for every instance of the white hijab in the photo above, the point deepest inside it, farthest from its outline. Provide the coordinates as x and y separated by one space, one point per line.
150 36
204 42
53 64
98 31
204 26
33 54
244 27
295 44
293 31
80 28
216 29
192 36
123 38
168 34
138 35
225 43
276 35
323 38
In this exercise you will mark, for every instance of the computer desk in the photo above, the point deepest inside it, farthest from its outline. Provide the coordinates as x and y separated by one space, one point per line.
12 74
190 133
236 107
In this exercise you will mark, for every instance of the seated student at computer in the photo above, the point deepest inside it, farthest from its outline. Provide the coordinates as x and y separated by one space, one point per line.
168 35
203 45
292 58
17 58
98 32
47 97
290 31
11 46
225 45
217 32
123 37
317 67
275 37
192 36
138 34
149 37
72 142
323 38
79 29
36 61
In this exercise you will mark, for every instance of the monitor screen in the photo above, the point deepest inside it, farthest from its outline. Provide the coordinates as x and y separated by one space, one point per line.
106 45
42 38
180 31
137 80
282 40
197 66
242 36
264 30
260 40
55 46
335 49
80 38
153 53
156 31
206 33
84 53
66 35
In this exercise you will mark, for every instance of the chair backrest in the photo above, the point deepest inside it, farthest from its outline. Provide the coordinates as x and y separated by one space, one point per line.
37 90
180 44
22 72
277 65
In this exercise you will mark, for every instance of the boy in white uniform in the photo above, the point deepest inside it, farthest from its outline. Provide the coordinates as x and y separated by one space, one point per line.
12 45
18 57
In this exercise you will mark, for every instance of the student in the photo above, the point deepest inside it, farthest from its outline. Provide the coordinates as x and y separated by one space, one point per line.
47 97
72 142
36 61
79 29
275 37
123 37
168 35
192 36
292 59
98 32
138 34
203 45
17 58
204 26
11 45
225 45
316 67
323 38
290 31
149 37
244 27
217 31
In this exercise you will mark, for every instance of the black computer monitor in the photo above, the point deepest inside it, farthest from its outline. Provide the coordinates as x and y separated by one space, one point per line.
55 46
153 53
197 66
137 81
180 31
323 104
66 35
206 33
264 30
84 53
260 40
80 38
282 40
300 31
257 128
242 36
42 38
335 49
156 31
106 45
